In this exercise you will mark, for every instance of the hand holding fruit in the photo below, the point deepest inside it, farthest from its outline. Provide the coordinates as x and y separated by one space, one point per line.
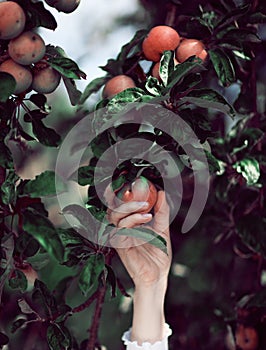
146 264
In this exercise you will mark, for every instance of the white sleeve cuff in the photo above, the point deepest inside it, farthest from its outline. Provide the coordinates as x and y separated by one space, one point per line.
159 345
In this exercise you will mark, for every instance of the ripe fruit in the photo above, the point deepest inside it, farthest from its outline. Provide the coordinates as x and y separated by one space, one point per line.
66 6
160 39
12 20
27 48
246 337
190 47
140 190
156 67
117 84
45 80
21 74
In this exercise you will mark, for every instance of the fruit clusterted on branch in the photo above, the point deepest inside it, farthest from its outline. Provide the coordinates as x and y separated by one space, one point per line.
158 40
141 189
117 84
12 20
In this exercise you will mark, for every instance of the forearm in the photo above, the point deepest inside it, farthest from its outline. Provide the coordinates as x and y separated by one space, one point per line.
148 315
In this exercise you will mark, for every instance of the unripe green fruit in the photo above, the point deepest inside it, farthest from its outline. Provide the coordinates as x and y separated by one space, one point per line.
141 190
117 84
66 6
12 20
21 74
45 80
27 48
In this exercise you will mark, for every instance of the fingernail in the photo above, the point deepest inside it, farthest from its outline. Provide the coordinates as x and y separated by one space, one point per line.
146 215
144 204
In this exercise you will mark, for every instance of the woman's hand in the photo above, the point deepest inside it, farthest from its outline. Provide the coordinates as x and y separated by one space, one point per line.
147 265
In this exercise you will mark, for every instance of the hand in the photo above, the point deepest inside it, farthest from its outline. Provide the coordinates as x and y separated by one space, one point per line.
145 263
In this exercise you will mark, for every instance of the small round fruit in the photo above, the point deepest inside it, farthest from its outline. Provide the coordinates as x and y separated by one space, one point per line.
21 74
117 84
66 6
12 20
141 190
246 337
45 80
27 48
190 47
159 39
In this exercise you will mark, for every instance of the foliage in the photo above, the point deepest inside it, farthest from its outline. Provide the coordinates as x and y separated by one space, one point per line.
219 266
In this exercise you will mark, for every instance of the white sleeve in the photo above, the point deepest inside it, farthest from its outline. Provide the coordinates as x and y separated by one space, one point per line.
159 345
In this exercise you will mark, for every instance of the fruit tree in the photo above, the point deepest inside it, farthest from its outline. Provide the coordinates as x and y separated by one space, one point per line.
181 108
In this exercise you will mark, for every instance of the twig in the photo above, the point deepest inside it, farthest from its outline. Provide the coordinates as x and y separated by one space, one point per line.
86 304
171 15
96 318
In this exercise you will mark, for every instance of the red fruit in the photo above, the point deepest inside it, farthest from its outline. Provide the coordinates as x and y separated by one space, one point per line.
246 337
21 74
12 20
27 48
141 190
190 47
117 84
160 39
45 80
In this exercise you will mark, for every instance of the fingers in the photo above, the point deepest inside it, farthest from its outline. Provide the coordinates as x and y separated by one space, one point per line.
162 211
114 216
134 220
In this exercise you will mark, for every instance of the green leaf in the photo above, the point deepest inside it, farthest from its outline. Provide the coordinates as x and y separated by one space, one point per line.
122 99
90 272
152 86
39 100
111 279
166 66
223 66
26 245
192 65
7 86
3 339
86 175
44 231
92 87
44 298
38 15
251 228
25 308
8 188
44 185
46 136
6 159
67 67
135 41
58 337
18 281
208 98
249 168
145 235
214 164
73 93
81 214
257 300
